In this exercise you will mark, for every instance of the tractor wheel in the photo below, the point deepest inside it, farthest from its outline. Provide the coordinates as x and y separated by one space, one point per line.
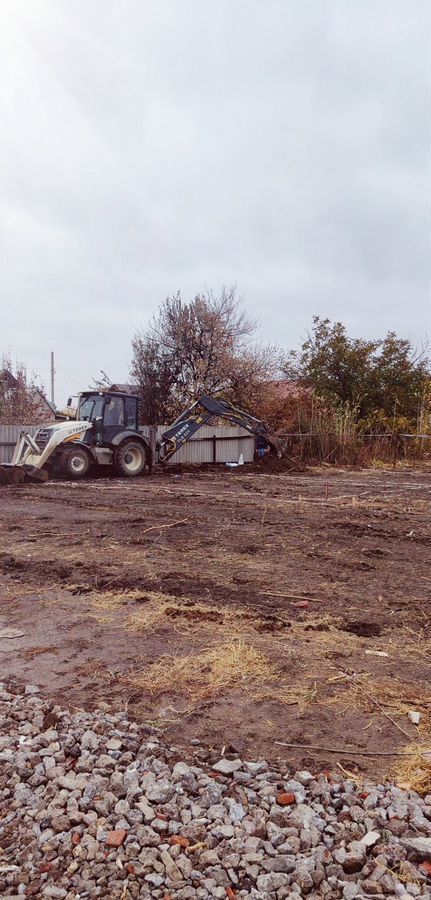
130 459
74 462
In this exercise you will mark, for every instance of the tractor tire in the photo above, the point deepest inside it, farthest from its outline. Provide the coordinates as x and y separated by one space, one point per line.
130 459
74 463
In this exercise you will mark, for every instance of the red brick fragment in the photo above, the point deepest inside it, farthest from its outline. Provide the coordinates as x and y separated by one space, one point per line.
116 838
130 869
425 867
45 867
76 838
327 774
181 841
230 893
286 799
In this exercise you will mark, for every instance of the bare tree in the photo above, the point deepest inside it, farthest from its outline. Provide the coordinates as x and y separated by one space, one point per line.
102 382
21 400
202 346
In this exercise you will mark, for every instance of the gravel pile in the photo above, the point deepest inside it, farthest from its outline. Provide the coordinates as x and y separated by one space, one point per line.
92 805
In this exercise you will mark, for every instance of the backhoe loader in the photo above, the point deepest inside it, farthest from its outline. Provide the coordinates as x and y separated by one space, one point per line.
106 432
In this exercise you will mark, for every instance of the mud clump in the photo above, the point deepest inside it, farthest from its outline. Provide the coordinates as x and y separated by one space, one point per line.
363 629
194 615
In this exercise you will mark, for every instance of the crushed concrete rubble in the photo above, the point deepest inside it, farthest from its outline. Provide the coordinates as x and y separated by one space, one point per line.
94 805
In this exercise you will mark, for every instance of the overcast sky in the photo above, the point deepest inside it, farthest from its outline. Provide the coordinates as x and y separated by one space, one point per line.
154 145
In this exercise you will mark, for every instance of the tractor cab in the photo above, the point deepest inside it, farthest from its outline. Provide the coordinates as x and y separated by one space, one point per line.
110 413
110 438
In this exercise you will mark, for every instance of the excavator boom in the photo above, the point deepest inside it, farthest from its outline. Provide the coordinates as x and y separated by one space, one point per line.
204 409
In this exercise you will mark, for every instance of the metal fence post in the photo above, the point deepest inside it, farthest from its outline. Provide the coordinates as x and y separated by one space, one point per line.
153 441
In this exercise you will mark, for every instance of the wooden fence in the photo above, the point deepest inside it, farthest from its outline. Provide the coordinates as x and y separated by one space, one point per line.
219 444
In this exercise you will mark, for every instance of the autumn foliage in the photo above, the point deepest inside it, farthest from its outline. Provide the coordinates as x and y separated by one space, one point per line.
20 399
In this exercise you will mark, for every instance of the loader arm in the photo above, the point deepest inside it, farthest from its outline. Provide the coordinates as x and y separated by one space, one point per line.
30 457
204 409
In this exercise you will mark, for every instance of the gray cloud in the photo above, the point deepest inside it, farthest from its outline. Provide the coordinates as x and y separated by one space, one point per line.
151 146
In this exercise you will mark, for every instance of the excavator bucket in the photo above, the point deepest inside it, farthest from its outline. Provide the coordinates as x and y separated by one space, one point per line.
276 444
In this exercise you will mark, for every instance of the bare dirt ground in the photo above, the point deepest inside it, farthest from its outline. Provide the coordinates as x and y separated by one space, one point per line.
242 611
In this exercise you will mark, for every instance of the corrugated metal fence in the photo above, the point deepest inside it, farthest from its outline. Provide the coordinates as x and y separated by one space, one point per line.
9 435
220 443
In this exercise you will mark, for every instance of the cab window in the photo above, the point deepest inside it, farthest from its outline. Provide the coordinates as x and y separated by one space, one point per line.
131 413
91 408
114 412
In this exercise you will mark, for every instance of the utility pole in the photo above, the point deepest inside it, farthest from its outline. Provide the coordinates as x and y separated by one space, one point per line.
52 378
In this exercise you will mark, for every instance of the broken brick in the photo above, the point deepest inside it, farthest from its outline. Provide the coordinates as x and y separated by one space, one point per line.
230 893
181 841
425 867
285 799
327 774
45 867
116 838
76 838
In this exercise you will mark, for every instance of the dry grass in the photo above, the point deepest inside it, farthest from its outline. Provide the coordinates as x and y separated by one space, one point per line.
105 604
416 644
152 610
38 651
147 611
326 635
240 657
415 769
217 669
403 872
199 675
413 772
163 610
395 697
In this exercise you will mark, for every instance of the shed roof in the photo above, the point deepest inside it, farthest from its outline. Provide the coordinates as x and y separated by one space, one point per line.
124 388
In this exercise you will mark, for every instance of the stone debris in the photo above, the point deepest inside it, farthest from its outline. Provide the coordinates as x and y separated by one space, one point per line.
414 717
419 845
370 838
227 766
94 805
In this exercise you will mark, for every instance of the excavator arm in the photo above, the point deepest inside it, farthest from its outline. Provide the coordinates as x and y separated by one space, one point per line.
204 409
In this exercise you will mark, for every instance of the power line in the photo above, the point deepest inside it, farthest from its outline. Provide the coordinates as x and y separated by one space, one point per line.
73 378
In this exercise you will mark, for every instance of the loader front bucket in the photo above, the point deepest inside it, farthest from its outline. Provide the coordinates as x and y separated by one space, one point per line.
32 473
11 474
